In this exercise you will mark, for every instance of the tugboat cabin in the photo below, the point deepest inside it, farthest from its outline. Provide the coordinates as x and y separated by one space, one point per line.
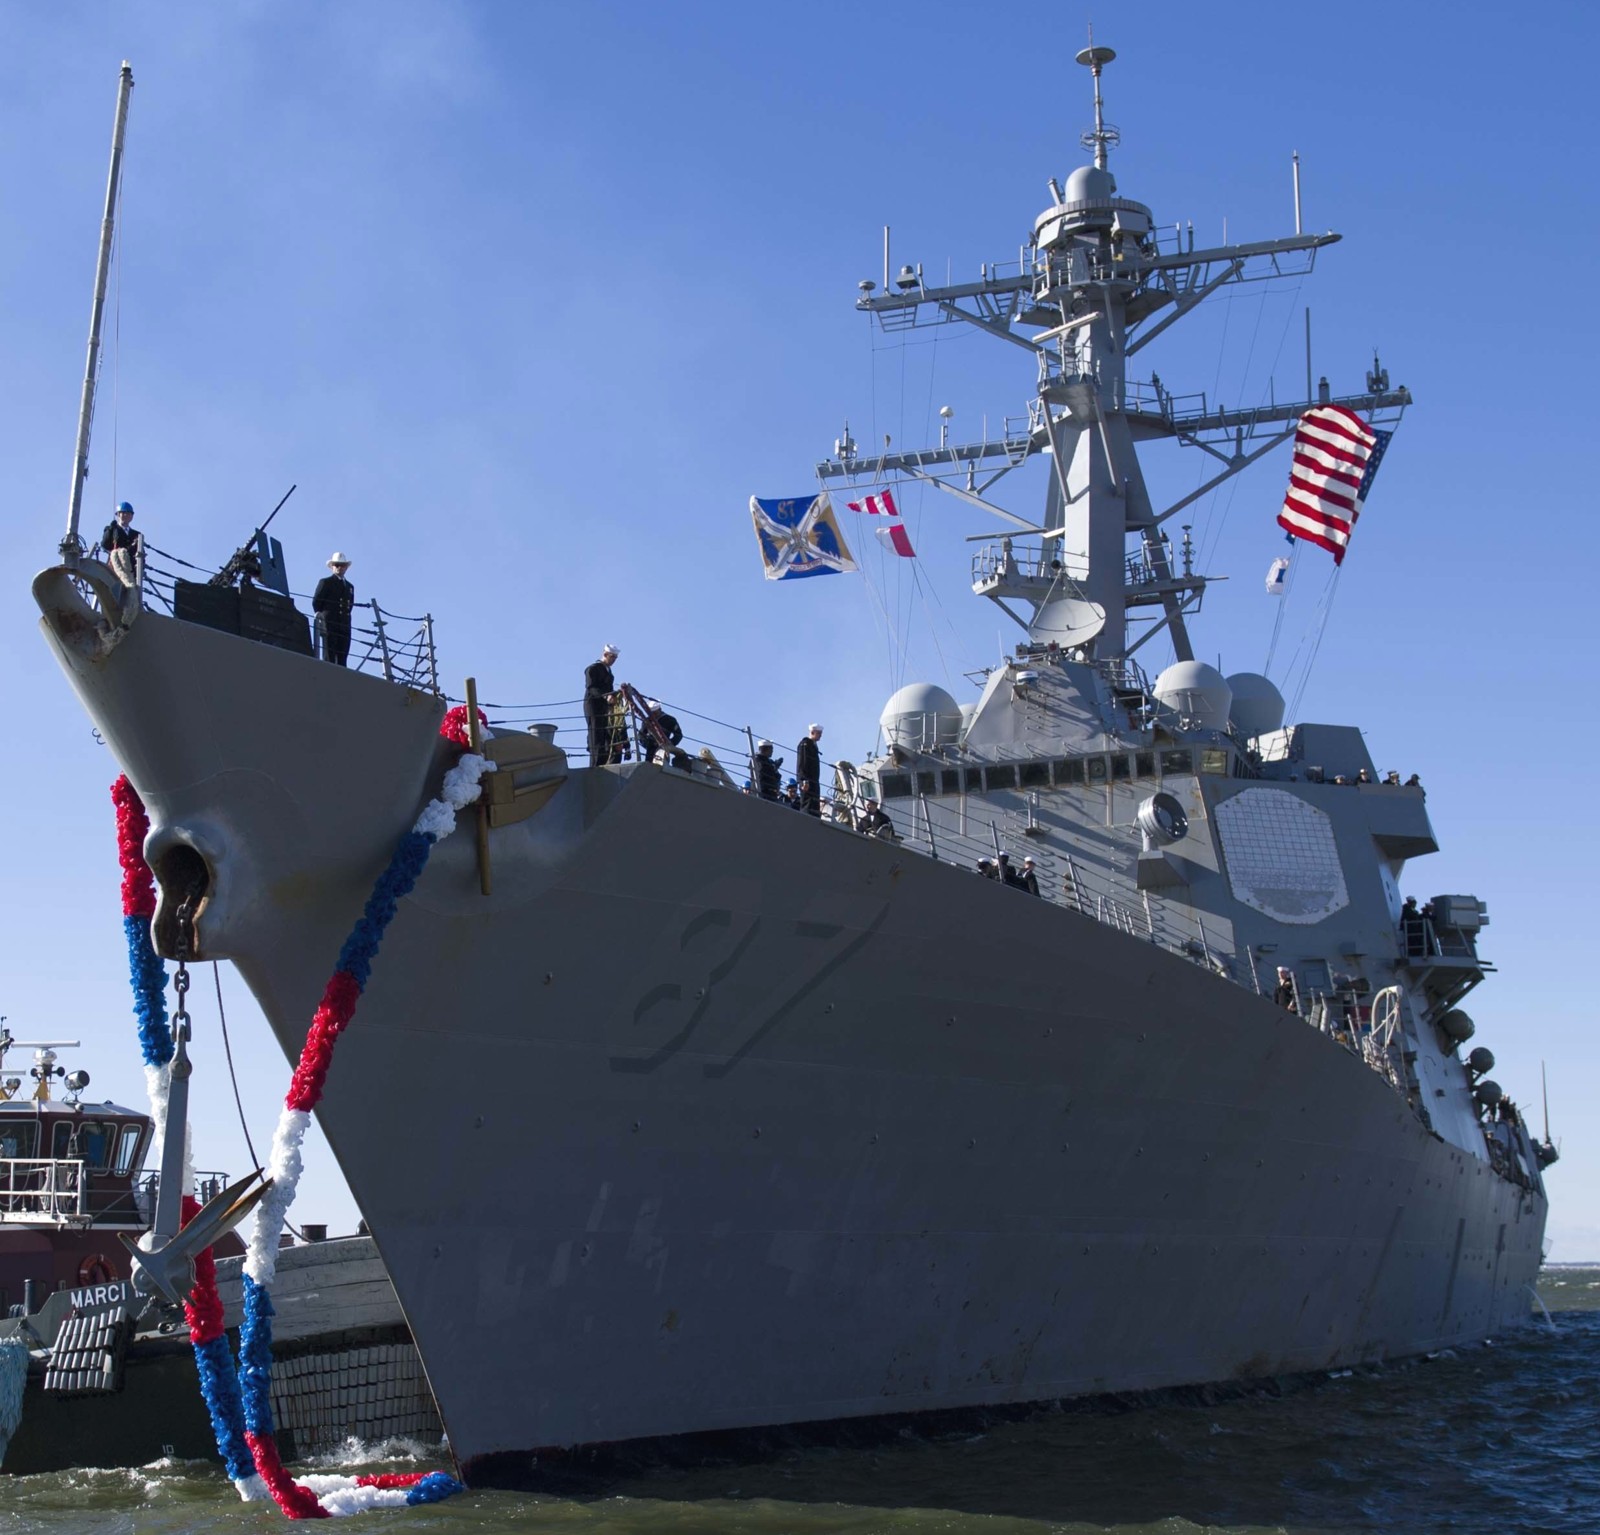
69 1182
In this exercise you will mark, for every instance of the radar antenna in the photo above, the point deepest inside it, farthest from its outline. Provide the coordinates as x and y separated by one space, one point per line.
1103 135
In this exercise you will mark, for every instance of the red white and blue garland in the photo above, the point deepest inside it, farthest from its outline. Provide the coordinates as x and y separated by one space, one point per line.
240 1400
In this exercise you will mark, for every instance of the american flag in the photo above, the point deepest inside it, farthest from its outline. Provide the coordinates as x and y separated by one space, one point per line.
892 534
1336 455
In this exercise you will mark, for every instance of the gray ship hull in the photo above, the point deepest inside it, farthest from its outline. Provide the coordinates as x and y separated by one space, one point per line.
767 1123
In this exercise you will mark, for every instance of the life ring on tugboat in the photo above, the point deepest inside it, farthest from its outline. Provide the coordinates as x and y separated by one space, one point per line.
94 1270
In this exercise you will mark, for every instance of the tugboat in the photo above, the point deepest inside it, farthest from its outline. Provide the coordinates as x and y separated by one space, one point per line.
82 1384
70 1181
789 1124
89 1374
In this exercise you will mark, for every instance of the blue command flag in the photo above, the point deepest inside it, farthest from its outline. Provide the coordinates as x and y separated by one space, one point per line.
799 537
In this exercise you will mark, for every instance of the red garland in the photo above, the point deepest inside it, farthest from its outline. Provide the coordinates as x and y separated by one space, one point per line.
296 1501
392 1479
453 727
203 1309
330 1020
133 826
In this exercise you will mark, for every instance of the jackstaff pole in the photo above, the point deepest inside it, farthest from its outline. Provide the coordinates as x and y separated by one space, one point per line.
80 460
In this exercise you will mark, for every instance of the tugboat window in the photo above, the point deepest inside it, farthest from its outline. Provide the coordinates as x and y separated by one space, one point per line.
1144 764
127 1145
1035 775
1120 768
895 785
18 1140
1177 761
1069 771
94 1144
1002 776
950 780
1097 770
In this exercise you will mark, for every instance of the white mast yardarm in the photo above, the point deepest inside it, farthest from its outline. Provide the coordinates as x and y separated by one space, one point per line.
71 547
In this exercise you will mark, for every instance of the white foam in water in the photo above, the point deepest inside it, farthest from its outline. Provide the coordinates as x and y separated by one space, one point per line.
361 1455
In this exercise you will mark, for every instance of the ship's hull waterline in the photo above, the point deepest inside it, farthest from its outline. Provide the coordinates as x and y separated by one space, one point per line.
715 1117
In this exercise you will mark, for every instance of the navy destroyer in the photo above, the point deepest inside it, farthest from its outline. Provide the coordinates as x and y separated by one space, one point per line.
790 1124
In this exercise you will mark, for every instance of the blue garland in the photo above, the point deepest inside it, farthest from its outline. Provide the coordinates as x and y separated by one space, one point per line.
255 1358
392 887
149 978
221 1392
435 1487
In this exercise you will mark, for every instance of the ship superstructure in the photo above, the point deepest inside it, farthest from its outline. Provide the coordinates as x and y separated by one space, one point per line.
787 1123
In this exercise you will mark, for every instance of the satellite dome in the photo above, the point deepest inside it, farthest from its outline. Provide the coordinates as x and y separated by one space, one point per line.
1198 692
1088 182
1258 706
920 716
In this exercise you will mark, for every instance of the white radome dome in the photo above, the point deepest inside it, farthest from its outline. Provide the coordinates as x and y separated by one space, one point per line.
1198 692
1258 707
920 716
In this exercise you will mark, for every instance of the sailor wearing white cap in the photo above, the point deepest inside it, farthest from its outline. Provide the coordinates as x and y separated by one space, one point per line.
607 738
808 769
333 602
769 781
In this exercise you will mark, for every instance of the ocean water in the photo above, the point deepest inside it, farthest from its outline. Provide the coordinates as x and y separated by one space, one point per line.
1502 1439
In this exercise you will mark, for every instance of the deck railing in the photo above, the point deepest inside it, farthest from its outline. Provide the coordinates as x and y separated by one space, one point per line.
42 1189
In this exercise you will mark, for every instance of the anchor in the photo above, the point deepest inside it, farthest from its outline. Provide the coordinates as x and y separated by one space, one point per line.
163 1264
163 1257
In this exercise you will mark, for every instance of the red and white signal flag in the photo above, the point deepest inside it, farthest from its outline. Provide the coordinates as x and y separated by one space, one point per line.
891 531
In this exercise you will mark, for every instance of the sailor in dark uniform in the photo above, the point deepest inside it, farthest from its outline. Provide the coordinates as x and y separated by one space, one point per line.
599 702
808 769
661 734
333 602
875 822
121 545
768 778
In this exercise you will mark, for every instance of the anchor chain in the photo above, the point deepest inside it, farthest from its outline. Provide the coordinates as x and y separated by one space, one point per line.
183 945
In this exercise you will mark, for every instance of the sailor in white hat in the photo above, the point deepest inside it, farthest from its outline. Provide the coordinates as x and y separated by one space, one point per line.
766 770
608 736
333 602
808 769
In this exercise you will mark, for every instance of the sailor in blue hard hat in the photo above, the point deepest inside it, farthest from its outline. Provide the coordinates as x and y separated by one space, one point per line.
121 545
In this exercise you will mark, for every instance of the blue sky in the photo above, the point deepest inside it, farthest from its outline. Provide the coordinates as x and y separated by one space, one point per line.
530 299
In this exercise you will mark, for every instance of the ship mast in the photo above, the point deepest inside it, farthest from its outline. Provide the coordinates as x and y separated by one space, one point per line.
71 547
1097 283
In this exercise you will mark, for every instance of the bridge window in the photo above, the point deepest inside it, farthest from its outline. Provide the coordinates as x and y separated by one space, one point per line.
1214 759
93 1147
974 780
894 786
949 780
127 1147
1069 771
1098 772
1035 775
1144 764
1120 768
1181 761
1002 776
925 782
20 1140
